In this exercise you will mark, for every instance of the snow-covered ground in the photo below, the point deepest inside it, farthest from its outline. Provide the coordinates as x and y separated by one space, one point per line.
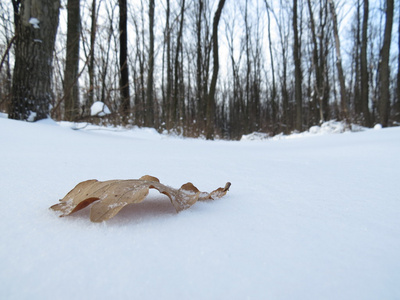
313 217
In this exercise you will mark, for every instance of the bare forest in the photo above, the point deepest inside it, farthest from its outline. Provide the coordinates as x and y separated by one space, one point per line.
202 68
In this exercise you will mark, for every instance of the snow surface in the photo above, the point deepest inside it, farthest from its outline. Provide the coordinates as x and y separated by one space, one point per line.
316 217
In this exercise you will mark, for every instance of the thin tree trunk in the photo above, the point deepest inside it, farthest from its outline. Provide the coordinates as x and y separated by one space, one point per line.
247 70
286 122
31 88
176 96
168 96
105 62
364 67
16 8
355 82
199 71
318 88
71 87
397 106
149 113
213 85
123 62
297 71
91 54
274 105
343 97
384 106
324 48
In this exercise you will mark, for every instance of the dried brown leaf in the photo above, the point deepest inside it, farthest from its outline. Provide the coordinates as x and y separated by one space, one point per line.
113 195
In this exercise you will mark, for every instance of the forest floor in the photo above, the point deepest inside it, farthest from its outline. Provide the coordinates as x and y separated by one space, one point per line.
308 216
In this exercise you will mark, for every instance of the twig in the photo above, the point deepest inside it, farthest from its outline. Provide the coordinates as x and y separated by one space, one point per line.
63 97
7 50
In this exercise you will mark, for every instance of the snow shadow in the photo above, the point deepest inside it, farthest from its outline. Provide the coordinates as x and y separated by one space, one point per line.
152 207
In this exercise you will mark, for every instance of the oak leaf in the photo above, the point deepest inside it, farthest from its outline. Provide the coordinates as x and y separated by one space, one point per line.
113 195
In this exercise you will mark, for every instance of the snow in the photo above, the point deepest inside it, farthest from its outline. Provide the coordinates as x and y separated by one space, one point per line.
312 217
254 136
32 116
328 127
325 128
98 108
34 22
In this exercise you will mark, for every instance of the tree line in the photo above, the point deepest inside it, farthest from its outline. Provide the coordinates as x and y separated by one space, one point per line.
211 68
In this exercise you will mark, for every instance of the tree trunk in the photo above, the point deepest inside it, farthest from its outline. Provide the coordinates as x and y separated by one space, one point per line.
397 106
364 67
213 85
71 87
175 107
355 82
36 31
274 106
343 98
168 97
123 62
384 106
149 112
297 71
16 8
317 86
199 70
93 29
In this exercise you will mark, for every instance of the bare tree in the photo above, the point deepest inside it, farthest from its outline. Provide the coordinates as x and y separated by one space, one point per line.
213 85
175 106
35 29
199 63
343 97
6 27
397 104
283 30
167 91
258 93
384 66
298 72
274 105
319 53
93 31
105 49
237 112
149 110
71 87
139 67
364 67
123 61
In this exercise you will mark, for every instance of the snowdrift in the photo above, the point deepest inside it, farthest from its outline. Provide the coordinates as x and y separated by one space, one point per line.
315 217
